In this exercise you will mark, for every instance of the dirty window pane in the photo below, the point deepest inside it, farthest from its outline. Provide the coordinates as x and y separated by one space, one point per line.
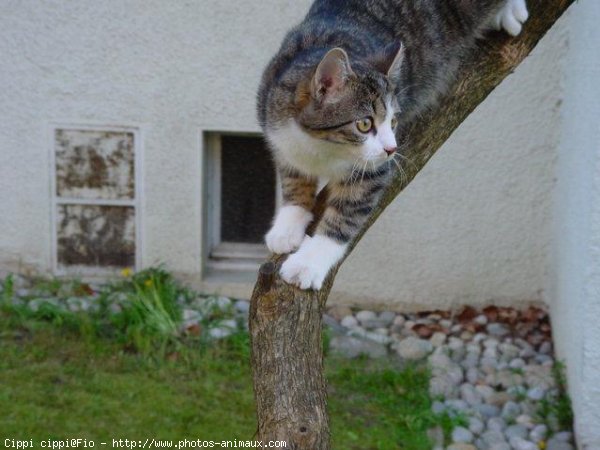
94 164
247 189
97 236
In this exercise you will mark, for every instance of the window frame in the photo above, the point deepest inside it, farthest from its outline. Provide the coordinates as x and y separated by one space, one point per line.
230 256
56 200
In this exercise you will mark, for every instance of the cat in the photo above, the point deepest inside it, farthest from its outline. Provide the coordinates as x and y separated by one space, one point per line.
337 94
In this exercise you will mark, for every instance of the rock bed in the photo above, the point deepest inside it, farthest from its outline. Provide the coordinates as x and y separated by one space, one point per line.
493 367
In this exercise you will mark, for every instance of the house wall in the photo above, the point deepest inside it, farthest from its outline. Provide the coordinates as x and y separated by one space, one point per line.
473 227
574 288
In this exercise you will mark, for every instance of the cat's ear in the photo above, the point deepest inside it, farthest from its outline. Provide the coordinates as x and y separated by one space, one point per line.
389 60
331 75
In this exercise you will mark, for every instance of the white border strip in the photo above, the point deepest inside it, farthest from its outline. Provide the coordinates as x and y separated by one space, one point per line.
136 202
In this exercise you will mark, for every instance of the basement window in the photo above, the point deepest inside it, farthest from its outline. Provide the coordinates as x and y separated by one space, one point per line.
240 183
95 226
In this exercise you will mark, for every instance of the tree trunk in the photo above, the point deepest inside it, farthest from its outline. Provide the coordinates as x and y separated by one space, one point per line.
285 322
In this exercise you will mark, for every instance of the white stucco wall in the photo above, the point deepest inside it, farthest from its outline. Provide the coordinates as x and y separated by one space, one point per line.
473 227
574 291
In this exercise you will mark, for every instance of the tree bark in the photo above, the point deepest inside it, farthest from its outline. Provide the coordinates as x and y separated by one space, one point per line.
285 322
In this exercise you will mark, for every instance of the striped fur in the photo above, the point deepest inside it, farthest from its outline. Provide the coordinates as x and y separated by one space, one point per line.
343 85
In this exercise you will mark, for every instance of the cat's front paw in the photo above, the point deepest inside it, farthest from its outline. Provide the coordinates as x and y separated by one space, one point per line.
288 230
308 267
512 16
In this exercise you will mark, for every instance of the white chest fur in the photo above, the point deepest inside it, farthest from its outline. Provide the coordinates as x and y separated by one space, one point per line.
310 155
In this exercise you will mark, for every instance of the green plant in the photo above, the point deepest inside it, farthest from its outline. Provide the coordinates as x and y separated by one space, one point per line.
8 289
150 316
555 408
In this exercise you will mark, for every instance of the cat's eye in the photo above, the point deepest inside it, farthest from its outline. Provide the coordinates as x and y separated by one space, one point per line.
394 122
364 125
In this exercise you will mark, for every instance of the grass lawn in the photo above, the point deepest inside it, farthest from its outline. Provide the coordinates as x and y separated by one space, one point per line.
56 384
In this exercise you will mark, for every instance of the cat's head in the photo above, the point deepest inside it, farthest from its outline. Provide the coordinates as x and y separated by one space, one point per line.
351 106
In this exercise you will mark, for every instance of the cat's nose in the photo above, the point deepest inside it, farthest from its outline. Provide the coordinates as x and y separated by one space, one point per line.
389 150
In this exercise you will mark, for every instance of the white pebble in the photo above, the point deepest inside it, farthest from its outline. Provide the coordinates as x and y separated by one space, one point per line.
462 435
364 315
349 322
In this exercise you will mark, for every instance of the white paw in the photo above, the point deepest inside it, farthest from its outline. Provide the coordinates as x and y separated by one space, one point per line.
288 229
511 17
308 267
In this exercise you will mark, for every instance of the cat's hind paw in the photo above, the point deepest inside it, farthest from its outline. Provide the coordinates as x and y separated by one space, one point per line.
288 230
511 17
308 267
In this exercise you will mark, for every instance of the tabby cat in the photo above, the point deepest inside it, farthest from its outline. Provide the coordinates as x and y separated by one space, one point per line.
333 99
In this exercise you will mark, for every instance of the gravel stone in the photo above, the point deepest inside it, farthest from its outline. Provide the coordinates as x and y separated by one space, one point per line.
500 446
485 391
545 348
462 435
493 437
538 433
219 333
476 426
496 424
488 364
455 343
438 339
491 352
333 324
223 303
472 375
399 320
365 315
525 419
517 363
466 335
564 436
438 407
457 404
471 360
497 329
349 322
536 393
338 312
490 342
488 411
445 323
387 318
510 411
517 430
442 386
470 394
189 316
242 306
555 444
518 443
499 398
413 349
481 319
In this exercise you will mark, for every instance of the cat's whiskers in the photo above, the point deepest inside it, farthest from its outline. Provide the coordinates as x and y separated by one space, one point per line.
363 171
407 159
403 176
353 179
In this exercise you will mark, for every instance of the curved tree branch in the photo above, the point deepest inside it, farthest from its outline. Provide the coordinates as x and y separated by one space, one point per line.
285 322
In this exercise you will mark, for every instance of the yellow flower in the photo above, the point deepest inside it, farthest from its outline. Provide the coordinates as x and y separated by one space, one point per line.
148 282
542 445
126 272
